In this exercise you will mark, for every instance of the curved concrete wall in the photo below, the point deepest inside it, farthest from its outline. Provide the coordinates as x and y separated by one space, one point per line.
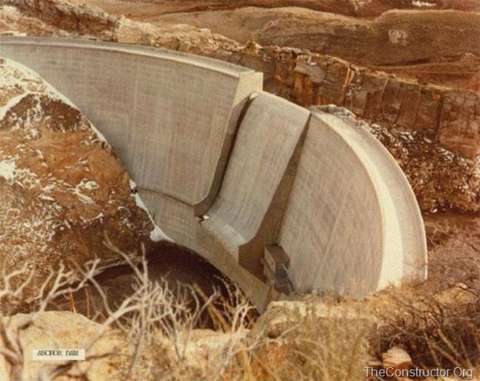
170 117
241 176
348 223
249 207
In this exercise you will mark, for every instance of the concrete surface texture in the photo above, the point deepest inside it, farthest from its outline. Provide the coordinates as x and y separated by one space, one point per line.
254 193
151 113
227 169
352 219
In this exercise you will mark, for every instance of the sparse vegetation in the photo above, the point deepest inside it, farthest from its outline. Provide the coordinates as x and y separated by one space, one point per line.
304 340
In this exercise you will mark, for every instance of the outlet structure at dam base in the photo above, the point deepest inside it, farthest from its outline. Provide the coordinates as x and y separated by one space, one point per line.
279 198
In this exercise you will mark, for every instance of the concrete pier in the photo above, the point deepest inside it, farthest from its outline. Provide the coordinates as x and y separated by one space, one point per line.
228 170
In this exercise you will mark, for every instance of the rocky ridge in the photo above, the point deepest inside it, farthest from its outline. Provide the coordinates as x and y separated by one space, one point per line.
357 8
63 189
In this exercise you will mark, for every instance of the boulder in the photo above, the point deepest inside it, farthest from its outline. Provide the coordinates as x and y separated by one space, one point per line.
62 188
55 330
396 358
107 352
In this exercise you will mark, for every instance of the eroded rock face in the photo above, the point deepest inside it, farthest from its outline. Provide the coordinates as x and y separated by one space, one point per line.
441 179
64 16
14 22
62 189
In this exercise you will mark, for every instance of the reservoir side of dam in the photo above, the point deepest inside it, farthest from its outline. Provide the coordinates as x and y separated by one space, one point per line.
241 176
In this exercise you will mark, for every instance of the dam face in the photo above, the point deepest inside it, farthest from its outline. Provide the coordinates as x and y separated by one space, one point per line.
276 197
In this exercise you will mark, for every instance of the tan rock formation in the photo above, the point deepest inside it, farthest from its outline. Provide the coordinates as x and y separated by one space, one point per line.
63 331
62 187
396 358
360 8
394 38
14 22
108 353
441 179
65 16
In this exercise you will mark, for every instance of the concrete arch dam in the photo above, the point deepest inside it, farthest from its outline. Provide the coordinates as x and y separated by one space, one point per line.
273 195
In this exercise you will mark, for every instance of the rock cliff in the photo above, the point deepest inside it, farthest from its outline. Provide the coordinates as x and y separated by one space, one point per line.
63 189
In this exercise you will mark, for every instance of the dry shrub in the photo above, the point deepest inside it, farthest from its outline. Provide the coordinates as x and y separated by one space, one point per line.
157 322
438 321
305 340
438 331
309 340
